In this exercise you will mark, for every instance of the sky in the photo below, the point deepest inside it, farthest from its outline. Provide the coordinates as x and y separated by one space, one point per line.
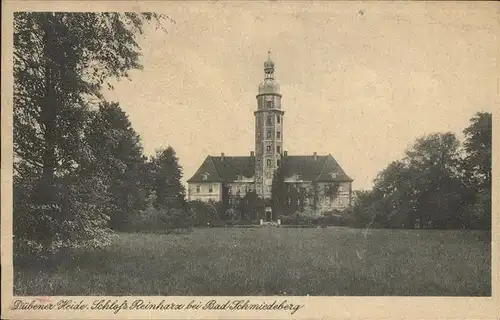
359 80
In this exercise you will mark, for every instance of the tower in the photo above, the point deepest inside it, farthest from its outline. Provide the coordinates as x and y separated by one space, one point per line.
268 131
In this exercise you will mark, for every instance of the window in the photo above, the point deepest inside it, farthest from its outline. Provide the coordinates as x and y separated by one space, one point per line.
268 149
278 162
198 189
268 162
269 104
278 149
278 119
278 134
210 188
230 190
269 134
269 120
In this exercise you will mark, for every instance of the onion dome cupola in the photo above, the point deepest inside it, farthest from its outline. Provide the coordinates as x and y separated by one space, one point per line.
269 85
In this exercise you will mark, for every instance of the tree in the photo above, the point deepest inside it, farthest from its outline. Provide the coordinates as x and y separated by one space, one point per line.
118 159
476 174
61 62
167 183
434 161
478 137
423 188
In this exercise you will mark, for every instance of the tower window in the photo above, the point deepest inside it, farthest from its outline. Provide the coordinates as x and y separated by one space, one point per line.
268 148
269 104
278 134
269 134
278 119
278 149
269 120
268 162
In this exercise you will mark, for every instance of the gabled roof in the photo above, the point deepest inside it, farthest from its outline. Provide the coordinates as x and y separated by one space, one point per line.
225 168
318 168
307 168
230 167
332 171
206 172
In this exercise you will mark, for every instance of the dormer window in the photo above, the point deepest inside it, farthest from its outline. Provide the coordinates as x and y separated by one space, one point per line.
204 176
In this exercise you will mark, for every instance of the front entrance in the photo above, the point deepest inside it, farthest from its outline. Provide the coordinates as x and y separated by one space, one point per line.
269 214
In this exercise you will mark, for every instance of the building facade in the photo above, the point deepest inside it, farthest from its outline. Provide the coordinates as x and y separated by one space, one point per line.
320 177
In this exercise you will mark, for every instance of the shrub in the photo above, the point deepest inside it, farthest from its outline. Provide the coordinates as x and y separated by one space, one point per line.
333 219
232 215
300 218
154 220
75 220
202 213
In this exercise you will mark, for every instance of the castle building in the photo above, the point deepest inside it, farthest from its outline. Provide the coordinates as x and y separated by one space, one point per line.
237 175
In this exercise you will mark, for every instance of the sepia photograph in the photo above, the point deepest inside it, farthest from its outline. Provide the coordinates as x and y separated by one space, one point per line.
254 149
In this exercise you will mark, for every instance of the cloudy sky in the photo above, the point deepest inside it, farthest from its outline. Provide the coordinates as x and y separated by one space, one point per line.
359 80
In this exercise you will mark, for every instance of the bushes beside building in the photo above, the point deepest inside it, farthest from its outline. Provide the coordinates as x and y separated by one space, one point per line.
310 218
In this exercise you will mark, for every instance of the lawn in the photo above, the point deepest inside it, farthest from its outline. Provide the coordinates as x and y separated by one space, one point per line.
276 261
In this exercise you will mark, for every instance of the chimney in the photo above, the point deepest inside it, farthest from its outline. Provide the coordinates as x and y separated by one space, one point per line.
315 156
285 153
222 156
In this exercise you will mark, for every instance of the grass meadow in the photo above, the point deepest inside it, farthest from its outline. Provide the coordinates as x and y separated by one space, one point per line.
275 261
